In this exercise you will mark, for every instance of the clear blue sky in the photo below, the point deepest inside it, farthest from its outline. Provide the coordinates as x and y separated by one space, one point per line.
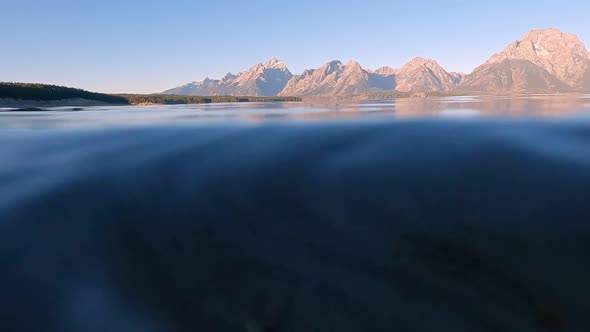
149 46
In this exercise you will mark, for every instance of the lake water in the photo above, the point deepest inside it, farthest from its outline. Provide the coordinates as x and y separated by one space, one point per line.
532 106
445 214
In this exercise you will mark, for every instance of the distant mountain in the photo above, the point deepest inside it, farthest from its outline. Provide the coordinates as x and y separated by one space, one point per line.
385 71
262 80
424 75
512 75
321 81
383 79
458 77
563 55
586 82
207 87
542 60
335 78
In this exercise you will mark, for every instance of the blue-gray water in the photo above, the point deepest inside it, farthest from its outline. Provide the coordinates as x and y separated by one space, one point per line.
467 107
341 217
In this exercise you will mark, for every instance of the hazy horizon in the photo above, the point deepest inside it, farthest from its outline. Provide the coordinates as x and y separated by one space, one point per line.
108 46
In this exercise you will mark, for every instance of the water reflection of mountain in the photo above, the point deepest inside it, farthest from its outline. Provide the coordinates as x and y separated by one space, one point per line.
527 106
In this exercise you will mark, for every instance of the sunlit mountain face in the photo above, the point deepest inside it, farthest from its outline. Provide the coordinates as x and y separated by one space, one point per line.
540 61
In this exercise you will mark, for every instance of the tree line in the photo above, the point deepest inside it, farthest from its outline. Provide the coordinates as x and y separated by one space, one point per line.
47 92
137 99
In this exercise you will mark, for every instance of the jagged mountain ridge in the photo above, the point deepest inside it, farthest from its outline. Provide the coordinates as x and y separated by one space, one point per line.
335 78
332 79
385 71
561 54
262 80
542 60
512 75
424 75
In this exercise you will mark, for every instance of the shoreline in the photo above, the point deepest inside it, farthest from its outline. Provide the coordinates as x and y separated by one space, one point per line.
9 104
17 104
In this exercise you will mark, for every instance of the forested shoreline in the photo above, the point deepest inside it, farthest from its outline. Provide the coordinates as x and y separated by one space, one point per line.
138 99
47 92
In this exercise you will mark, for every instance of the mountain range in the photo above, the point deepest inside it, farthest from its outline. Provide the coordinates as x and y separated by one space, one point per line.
541 61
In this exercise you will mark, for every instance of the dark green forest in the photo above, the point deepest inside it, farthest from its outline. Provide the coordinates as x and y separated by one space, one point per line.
176 99
46 92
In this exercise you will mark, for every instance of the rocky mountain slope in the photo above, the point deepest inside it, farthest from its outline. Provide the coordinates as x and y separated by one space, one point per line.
335 78
563 56
262 80
385 71
586 82
511 75
458 77
541 61
424 75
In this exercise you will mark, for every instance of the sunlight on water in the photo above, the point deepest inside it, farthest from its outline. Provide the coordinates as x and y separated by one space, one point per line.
529 106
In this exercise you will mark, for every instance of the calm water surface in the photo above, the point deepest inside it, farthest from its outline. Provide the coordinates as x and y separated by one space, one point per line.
319 217
531 106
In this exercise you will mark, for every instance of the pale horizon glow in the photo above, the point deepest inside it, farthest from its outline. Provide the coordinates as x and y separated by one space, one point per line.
133 46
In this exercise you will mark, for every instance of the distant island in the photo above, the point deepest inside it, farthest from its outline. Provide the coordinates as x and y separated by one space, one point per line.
541 61
31 95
